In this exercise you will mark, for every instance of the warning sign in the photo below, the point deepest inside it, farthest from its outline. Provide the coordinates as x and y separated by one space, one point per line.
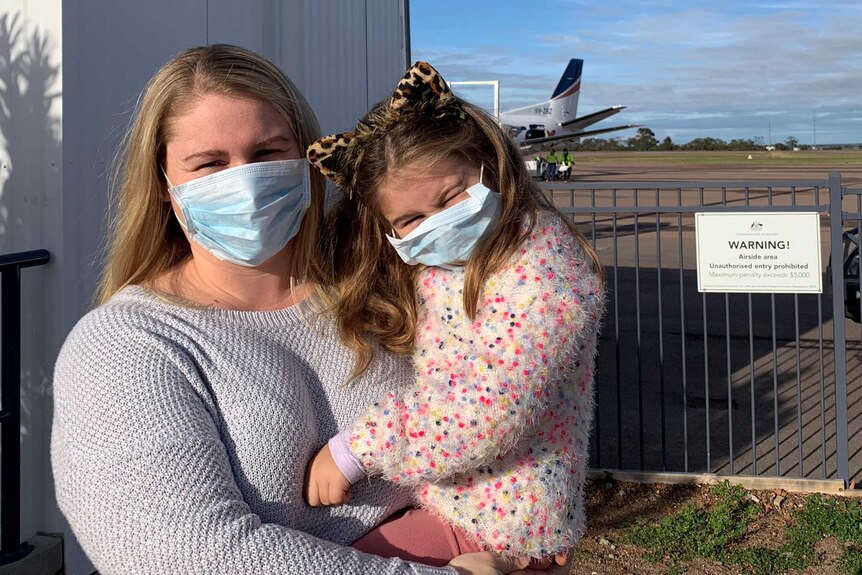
770 252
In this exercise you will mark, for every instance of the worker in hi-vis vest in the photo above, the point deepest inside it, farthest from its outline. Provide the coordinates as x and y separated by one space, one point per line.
566 164
552 160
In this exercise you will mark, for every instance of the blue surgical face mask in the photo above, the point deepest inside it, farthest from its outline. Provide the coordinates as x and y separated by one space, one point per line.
246 215
448 237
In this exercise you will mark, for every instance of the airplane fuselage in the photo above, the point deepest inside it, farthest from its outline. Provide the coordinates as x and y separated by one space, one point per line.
548 114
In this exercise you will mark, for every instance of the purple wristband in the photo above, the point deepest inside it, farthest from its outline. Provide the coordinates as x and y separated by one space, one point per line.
346 462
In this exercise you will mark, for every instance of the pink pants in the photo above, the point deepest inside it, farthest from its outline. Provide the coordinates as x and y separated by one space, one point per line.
419 536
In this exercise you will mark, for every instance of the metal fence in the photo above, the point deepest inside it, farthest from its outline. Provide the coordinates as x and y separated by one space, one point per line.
726 383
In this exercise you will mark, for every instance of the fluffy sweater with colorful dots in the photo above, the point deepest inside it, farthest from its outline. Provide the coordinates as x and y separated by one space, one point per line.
495 433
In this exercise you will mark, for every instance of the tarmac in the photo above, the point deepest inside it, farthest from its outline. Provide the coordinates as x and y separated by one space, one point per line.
734 384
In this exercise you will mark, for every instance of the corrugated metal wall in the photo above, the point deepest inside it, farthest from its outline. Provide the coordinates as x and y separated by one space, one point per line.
385 51
353 57
336 59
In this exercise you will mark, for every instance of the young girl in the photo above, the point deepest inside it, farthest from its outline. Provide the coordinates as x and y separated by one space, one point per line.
443 247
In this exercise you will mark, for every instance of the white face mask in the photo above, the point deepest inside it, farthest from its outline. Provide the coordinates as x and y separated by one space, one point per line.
247 214
447 238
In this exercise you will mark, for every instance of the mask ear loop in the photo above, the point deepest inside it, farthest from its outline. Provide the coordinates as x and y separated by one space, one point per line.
179 221
167 179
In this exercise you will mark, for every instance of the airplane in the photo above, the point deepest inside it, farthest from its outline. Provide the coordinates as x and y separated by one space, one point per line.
540 126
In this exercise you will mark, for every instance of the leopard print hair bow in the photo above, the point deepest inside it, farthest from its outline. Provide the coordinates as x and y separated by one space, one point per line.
421 90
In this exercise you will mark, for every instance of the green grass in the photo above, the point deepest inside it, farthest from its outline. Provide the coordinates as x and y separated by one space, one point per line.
762 561
718 532
851 562
691 532
823 517
831 158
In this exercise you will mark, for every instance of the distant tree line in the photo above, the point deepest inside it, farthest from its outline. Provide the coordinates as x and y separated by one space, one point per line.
646 141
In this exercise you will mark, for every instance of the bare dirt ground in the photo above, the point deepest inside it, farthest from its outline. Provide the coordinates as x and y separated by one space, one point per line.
612 508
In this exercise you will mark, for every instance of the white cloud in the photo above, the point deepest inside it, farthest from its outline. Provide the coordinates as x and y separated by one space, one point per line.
695 68
558 39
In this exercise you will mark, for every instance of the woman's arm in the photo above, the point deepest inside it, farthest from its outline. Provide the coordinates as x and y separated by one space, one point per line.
145 482
481 384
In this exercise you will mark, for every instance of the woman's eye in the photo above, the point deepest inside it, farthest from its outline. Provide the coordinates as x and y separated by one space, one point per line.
264 153
211 164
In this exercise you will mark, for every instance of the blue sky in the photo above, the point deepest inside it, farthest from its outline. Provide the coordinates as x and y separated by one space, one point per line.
685 69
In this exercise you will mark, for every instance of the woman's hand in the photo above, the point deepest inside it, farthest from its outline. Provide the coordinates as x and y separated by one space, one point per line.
560 564
486 563
325 484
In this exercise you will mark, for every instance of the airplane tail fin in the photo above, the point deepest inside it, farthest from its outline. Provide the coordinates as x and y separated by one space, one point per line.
562 107
570 83
565 97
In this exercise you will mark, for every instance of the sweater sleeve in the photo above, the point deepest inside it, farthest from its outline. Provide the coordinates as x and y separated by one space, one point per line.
481 384
144 479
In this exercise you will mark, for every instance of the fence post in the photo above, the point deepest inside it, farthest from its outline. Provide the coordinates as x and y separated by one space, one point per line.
836 231
11 548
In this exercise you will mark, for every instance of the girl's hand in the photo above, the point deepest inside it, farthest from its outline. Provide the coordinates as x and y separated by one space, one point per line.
325 484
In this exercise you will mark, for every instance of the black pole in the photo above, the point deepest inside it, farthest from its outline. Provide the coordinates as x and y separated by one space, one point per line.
10 418
11 548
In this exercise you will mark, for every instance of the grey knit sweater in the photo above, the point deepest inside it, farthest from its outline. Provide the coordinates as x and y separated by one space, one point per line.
181 438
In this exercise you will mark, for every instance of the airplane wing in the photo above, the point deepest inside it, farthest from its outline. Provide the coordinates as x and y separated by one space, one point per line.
590 119
539 144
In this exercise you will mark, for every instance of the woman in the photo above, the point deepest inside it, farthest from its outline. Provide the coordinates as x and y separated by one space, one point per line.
188 403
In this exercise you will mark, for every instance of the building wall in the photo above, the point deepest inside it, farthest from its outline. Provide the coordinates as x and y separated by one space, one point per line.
64 114
31 205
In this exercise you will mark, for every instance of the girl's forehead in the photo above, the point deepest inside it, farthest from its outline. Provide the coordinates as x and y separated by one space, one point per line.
420 179
420 169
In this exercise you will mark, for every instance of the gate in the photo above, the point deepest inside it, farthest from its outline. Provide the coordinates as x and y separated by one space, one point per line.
729 384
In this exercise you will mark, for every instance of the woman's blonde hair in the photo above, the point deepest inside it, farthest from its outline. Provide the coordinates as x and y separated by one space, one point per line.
145 240
373 292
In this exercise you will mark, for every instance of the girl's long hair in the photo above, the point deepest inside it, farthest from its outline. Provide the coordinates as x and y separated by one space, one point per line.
145 240
371 290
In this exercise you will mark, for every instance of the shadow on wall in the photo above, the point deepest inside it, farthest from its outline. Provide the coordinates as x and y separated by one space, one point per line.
31 134
29 181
